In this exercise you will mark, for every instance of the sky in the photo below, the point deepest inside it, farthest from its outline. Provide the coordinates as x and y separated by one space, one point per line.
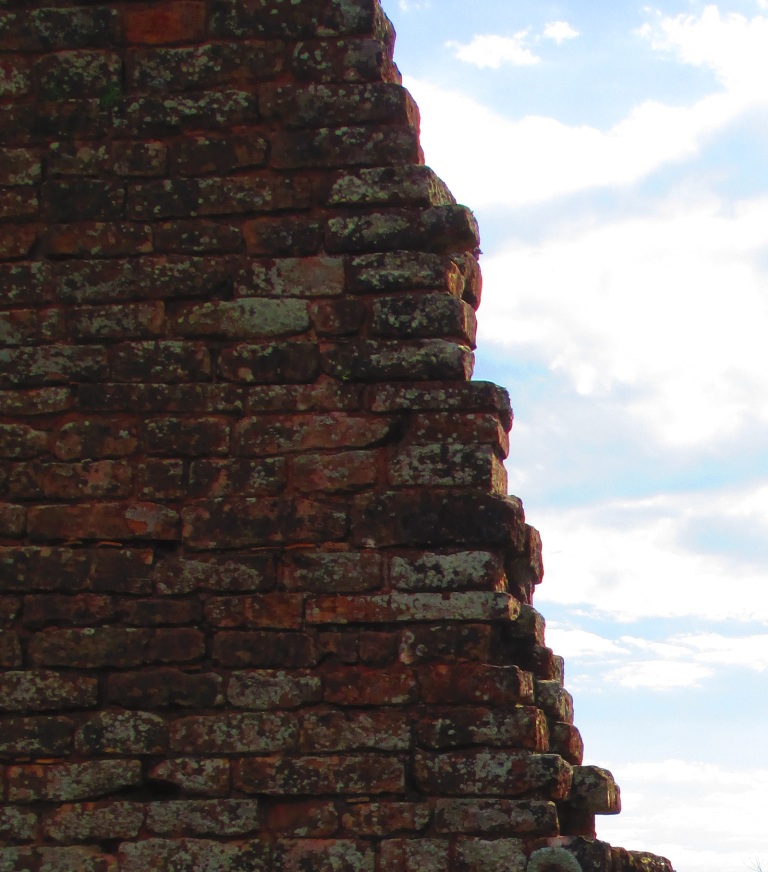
616 156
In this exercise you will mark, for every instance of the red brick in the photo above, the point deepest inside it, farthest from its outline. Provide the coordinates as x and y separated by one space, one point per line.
294 855
351 774
94 822
362 686
104 521
475 682
312 818
206 777
496 816
122 733
273 610
219 573
238 648
268 434
95 437
250 733
355 731
339 571
100 478
98 239
44 690
68 782
386 818
214 817
22 737
177 21
348 471
513 726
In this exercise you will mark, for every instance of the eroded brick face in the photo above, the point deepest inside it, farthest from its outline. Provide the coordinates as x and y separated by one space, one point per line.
265 603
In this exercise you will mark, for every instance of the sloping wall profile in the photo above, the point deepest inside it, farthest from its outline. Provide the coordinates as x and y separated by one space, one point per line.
265 601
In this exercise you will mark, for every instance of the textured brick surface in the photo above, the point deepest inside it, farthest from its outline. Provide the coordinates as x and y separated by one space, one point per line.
265 603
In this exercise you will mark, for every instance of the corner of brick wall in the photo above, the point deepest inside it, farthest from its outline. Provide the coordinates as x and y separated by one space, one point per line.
265 602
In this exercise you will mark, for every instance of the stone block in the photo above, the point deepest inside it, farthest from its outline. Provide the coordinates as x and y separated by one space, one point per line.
71 782
273 689
496 816
383 360
249 733
204 817
513 726
112 732
355 731
193 775
337 571
475 683
386 818
246 318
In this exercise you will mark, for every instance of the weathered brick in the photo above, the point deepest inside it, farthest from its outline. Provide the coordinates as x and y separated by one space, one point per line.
20 441
421 643
218 573
337 317
46 365
385 818
270 363
173 115
104 478
69 782
263 689
82 200
347 855
554 700
53 28
565 740
45 690
219 478
204 66
164 361
364 686
13 520
246 318
338 571
460 570
594 791
93 822
278 611
139 159
251 733
273 18
292 277
176 21
211 154
355 731
186 854
278 434
239 648
189 398
348 471
432 518
80 609
73 74
103 521
312 818
17 824
164 688
206 777
10 650
492 855
150 277
345 60
496 816
290 236
415 855
73 859
161 480
242 522
18 203
382 360
90 648
77 159
494 773
17 240
181 198
22 737
197 237
438 229
347 774
325 396
19 166
95 437
475 682
98 239
122 733
514 726
388 608
186 437
327 106
448 466
37 401
427 315
341 147
204 817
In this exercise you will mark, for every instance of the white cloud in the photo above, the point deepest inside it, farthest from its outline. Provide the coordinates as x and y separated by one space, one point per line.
630 560
580 643
491 50
702 816
413 5
560 31
490 159
670 304
658 674
732 45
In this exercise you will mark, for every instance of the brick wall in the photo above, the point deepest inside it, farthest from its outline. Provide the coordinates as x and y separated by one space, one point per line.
265 603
